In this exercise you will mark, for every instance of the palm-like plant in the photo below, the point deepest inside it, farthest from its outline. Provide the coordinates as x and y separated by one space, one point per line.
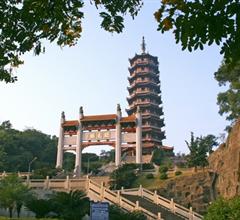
12 193
70 206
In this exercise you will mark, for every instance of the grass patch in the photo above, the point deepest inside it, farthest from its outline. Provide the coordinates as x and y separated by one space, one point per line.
157 182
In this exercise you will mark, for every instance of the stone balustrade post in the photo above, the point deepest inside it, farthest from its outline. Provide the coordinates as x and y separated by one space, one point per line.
137 205
172 206
122 189
155 197
118 197
140 191
46 183
120 201
67 184
159 216
87 183
102 191
28 180
190 214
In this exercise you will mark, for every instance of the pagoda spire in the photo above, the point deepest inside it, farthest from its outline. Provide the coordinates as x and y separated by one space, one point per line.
143 45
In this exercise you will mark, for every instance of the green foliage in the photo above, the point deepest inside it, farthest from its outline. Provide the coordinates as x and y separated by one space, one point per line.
13 193
178 173
124 176
160 156
67 206
116 213
41 173
163 169
41 207
229 101
18 148
70 206
147 166
163 176
199 147
223 209
198 23
26 24
150 176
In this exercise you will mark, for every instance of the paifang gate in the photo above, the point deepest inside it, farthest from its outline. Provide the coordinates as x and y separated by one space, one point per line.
112 129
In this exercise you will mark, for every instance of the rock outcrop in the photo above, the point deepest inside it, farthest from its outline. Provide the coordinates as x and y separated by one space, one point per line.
193 190
225 162
222 178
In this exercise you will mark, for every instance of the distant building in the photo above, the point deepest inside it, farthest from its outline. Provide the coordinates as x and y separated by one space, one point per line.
144 91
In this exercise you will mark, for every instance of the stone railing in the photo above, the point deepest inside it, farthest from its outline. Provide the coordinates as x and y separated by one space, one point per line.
20 174
98 192
166 203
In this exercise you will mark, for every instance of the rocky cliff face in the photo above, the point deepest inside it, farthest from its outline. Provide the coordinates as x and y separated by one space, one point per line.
225 162
194 191
222 178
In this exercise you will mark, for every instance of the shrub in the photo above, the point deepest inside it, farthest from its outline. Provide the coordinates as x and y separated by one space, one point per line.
163 169
178 173
147 166
149 176
163 176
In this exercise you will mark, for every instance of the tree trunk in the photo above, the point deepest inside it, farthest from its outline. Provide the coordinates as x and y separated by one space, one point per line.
10 212
19 206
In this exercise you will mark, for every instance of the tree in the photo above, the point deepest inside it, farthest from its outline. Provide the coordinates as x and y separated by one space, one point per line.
6 125
17 148
12 193
195 23
229 101
41 207
25 24
3 156
70 206
223 209
199 148
124 176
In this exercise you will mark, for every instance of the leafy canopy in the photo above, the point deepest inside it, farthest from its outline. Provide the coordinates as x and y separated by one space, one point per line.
25 24
223 209
12 193
229 101
124 176
199 148
196 23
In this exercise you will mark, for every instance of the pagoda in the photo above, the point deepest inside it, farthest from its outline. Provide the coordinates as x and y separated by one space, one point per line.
144 91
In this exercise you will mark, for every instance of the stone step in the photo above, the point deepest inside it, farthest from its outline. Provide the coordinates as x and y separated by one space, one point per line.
165 214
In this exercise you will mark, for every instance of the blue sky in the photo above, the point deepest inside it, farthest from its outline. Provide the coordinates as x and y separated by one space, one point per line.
93 74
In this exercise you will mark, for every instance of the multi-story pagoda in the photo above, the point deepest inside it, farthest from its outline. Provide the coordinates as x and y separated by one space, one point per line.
144 91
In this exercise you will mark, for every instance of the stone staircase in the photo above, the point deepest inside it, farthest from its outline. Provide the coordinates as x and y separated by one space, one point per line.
154 208
150 203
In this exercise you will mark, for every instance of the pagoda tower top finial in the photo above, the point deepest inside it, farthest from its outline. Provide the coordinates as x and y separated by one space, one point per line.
143 45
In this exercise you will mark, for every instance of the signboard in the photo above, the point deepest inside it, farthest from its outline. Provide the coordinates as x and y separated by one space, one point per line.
98 135
99 211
